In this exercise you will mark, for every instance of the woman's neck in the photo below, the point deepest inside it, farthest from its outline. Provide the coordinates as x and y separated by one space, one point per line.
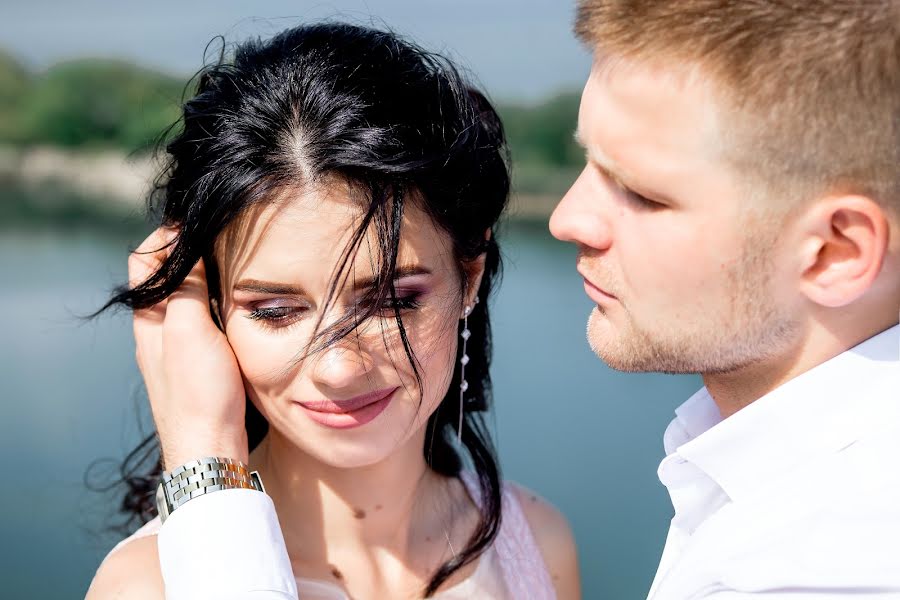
396 505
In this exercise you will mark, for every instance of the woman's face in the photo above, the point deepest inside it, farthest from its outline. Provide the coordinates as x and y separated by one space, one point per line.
355 402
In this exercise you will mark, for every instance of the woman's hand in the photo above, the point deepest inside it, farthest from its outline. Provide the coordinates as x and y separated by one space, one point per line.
193 381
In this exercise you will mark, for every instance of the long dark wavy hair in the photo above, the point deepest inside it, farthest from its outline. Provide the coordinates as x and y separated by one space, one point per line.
399 124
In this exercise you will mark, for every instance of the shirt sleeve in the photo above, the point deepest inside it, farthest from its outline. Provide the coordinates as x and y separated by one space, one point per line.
226 545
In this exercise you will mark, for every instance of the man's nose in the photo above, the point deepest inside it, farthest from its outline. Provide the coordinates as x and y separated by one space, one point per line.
582 216
342 363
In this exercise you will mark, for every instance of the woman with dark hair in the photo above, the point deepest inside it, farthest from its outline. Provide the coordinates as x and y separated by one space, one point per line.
330 204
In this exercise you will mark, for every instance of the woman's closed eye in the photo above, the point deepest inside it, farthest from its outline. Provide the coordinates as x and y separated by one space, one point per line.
280 315
403 301
277 315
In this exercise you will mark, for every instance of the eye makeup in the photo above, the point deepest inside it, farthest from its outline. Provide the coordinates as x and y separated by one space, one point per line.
277 313
409 292
281 313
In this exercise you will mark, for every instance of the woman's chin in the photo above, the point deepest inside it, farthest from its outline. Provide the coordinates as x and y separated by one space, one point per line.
349 455
344 449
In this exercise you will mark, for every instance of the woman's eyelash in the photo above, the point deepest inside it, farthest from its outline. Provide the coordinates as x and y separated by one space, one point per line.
279 317
401 303
273 313
276 317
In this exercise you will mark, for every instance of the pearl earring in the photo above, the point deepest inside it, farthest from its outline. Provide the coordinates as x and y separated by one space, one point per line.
463 361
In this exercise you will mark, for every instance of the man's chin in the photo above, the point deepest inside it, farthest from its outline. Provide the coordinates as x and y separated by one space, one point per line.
607 342
621 347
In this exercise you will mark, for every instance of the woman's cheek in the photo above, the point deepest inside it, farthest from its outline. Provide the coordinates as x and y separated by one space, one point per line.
435 345
262 357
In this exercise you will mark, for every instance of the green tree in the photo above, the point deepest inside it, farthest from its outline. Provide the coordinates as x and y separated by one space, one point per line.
545 157
92 103
543 133
14 85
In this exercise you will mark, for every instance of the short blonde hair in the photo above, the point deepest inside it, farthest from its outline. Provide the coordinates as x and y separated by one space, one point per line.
811 88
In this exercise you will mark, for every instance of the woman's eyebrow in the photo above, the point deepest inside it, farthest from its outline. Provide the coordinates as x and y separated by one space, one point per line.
285 289
399 273
268 287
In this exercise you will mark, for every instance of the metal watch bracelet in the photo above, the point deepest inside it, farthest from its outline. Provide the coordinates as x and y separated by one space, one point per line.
203 476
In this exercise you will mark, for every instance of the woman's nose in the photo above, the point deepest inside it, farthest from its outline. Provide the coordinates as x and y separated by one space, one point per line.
342 363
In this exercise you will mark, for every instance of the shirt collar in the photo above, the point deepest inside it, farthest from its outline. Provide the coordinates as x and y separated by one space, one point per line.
692 418
822 410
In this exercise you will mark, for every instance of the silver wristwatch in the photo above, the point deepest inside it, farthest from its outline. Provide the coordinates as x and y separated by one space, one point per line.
203 476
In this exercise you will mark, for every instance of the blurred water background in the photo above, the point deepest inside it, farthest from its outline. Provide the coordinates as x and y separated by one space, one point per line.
74 164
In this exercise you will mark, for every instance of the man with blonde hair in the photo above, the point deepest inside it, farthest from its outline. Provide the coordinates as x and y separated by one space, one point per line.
739 217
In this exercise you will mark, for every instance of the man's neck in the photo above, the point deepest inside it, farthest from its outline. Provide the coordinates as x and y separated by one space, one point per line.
737 389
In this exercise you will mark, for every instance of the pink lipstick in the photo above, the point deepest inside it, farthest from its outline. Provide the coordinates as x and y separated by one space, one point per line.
349 413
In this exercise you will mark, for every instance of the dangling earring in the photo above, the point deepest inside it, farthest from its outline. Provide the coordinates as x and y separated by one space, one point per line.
463 361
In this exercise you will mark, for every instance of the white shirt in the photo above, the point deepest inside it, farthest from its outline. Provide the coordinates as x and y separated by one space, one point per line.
794 497
225 546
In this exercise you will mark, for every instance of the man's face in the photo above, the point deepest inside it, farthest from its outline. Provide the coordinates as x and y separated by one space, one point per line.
671 248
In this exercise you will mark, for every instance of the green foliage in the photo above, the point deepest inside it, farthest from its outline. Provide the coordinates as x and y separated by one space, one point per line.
89 103
546 159
14 82
542 134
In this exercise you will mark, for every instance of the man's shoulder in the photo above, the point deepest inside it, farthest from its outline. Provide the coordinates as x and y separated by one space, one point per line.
841 510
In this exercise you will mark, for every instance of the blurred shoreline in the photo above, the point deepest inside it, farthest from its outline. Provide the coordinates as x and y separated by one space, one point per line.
44 185
76 144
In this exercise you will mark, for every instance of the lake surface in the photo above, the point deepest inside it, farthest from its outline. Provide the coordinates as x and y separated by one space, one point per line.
585 437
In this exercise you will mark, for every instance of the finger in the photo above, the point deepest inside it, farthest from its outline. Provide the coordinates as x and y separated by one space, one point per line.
147 258
188 307
147 323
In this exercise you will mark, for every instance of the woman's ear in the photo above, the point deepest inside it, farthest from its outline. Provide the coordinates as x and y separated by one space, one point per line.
474 271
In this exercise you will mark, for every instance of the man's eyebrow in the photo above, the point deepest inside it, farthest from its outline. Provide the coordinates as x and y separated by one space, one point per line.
285 289
614 172
600 160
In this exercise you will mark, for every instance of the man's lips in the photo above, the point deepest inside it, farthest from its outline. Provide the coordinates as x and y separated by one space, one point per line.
596 293
347 406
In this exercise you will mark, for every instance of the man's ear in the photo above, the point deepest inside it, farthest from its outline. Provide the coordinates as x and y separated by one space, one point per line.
846 241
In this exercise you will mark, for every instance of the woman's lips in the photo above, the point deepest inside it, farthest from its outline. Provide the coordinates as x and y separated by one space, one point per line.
353 412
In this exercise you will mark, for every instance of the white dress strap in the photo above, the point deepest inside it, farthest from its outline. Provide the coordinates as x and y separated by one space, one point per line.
524 572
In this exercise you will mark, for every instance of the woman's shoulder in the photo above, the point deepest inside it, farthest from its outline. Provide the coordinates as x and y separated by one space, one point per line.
130 571
554 538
